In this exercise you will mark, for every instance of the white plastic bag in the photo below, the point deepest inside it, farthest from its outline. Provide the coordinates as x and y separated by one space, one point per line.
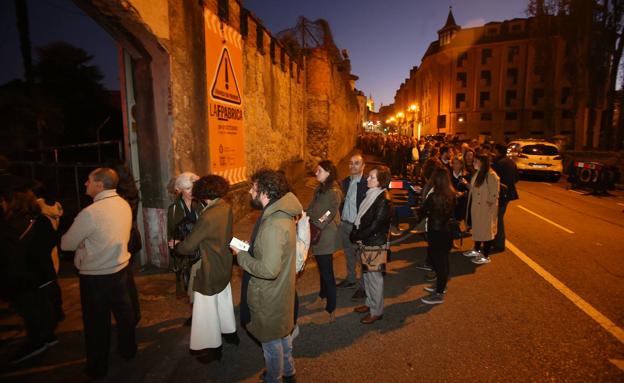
303 241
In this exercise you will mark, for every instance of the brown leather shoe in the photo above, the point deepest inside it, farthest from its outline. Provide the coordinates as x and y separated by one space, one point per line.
361 309
368 319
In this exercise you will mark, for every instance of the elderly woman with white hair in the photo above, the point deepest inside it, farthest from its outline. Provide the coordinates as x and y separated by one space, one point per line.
181 217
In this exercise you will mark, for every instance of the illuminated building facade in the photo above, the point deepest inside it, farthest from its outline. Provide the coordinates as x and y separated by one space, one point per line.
487 81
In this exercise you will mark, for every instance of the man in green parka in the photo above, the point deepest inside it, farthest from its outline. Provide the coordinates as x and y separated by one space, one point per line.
271 263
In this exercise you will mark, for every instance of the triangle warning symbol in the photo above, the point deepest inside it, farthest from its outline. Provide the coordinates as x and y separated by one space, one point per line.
225 86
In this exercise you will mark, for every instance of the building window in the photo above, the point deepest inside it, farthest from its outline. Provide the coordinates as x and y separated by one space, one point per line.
510 95
244 25
537 115
567 114
460 100
224 10
260 38
510 116
461 58
462 78
486 77
512 75
483 98
538 94
442 121
486 53
512 53
461 117
486 116
516 28
566 93
492 31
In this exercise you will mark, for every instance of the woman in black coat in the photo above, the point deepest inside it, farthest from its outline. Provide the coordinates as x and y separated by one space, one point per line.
370 231
439 210
26 271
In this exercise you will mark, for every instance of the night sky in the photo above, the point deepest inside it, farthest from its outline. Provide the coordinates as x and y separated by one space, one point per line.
385 39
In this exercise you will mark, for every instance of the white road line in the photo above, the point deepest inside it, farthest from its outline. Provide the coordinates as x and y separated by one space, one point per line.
621 204
546 219
574 191
546 183
588 309
618 362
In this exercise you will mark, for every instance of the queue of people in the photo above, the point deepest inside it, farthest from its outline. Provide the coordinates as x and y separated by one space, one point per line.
463 184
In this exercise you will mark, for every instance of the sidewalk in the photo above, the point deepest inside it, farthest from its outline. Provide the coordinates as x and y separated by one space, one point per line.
163 340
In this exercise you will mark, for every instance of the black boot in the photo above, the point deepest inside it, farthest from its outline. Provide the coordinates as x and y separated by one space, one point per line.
231 338
208 355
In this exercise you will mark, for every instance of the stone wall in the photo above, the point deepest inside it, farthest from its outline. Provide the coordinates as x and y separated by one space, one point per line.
331 109
291 108
274 99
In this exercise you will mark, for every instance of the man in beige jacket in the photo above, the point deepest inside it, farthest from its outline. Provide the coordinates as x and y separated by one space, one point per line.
99 236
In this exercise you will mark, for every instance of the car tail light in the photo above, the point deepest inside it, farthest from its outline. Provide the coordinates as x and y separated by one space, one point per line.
557 158
522 156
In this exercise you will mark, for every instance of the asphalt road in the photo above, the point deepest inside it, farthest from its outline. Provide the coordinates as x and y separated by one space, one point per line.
501 322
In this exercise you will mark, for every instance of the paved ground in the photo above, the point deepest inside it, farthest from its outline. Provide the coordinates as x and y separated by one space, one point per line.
500 322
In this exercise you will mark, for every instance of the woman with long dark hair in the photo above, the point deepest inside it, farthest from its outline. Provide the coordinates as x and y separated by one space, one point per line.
439 209
324 215
482 209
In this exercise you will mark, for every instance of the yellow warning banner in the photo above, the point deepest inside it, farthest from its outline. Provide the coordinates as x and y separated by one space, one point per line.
224 70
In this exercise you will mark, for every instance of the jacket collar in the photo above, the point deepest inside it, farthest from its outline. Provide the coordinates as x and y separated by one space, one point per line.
105 194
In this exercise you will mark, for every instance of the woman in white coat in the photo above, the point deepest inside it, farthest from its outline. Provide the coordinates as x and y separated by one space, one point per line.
482 209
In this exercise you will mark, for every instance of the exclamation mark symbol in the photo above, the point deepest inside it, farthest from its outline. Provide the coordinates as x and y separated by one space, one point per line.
227 76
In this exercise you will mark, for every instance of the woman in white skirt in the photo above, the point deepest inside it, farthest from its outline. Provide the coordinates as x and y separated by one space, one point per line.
213 309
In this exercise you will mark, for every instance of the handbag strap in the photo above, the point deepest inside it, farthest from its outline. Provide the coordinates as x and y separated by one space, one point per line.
30 225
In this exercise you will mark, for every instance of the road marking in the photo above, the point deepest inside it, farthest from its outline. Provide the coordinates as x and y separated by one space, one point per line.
619 363
546 219
546 183
588 309
621 204
574 191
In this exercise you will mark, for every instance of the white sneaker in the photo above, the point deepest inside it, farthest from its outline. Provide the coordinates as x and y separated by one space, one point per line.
481 260
432 289
472 253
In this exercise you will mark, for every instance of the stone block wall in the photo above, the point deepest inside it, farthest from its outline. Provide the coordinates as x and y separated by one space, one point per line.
331 109
274 99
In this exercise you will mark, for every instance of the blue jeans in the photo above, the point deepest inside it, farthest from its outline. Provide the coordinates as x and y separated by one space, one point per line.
278 359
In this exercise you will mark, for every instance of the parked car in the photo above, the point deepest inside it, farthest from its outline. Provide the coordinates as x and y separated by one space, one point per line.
536 157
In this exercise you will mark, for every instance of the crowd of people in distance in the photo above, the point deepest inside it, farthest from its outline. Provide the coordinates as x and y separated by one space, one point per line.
463 184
